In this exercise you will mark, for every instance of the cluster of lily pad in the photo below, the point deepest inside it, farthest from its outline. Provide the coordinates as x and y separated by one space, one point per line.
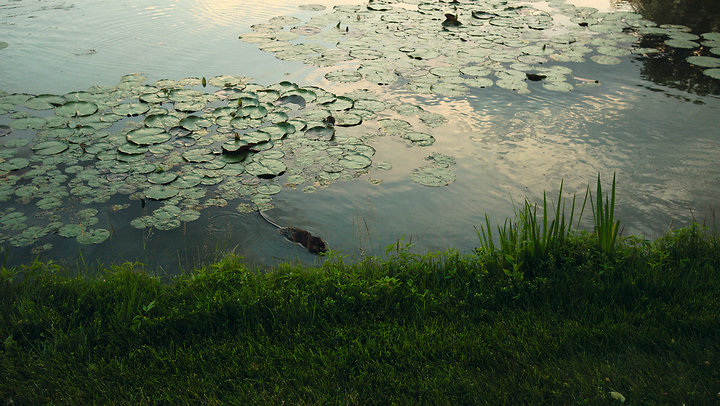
447 48
188 144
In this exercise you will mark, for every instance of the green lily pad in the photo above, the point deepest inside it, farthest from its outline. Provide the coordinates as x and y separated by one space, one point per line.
28 122
254 112
235 146
347 119
76 109
160 192
186 181
419 138
195 123
188 215
713 73
51 147
433 176
5 130
131 109
71 230
269 189
13 164
681 43
704 61
324 133
161 120
148 136
198 155
162 178
392 126
44 102
266 168
95 236
343 76
355 161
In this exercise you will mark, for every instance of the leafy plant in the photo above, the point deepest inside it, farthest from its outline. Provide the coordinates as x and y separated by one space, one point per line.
606 227
524 239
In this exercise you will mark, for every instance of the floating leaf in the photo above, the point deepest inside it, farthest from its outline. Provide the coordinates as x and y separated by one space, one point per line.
194 123
355 161
71 230
131 109
704 61
76 109
268 189
160 192
198 155
28 122
433 176
324 133
51 147
419 138
148 136
266 168
681 43
44 102
95 236
13 164
343 76
713 73
162 178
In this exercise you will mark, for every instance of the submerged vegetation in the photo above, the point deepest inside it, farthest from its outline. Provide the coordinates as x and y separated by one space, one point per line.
584 318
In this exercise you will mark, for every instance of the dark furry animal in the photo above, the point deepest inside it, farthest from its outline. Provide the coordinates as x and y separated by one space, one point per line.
312 243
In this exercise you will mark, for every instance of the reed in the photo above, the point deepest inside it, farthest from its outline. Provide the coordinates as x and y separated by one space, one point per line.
606 227
528 239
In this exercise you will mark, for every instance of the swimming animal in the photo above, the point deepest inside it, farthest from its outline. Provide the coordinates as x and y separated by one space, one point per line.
312 243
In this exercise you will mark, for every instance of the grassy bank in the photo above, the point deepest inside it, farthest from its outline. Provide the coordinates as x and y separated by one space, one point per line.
542 313
440 329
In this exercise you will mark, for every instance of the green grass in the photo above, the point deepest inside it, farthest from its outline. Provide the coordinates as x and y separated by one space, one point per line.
564 321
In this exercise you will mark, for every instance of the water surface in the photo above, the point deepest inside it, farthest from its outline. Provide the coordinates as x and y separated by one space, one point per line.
652 121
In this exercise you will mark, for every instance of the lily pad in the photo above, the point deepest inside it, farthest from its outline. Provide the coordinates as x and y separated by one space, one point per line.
50 147
13 164
162 178
4 130
131 109
266 168
704 61
355 161
681 43
343 76
324 133
194 123
160 192
713 73
76 109
148 136
433 176
419 138
71 230
95 236
198 155
44 102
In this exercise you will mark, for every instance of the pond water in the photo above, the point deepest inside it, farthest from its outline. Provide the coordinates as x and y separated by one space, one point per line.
436 123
